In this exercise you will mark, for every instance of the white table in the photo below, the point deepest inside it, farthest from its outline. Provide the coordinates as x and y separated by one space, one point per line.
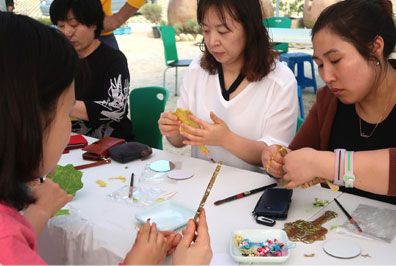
103 231
290 35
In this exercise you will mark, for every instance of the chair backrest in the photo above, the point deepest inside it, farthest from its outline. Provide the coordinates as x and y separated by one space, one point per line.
299 123
146 105
278 22
169 42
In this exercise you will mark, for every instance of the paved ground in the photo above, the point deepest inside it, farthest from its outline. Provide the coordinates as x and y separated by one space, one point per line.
146 59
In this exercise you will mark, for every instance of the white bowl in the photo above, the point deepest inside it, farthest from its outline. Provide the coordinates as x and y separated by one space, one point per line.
259 236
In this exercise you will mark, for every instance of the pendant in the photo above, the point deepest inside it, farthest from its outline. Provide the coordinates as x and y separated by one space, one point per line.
363 135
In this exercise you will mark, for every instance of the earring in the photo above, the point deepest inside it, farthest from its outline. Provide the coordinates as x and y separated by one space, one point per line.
378 62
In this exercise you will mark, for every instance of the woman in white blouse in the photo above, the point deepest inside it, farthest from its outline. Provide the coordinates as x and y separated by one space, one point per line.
243 98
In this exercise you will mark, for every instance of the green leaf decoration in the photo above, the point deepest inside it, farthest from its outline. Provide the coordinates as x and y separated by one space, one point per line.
62 212
68 178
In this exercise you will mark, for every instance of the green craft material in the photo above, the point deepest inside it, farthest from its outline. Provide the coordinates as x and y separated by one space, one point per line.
68 178
62 212
334 227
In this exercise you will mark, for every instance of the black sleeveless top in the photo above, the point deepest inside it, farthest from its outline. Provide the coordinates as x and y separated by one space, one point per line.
345 134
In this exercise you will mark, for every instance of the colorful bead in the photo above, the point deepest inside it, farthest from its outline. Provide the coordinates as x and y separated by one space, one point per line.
269 248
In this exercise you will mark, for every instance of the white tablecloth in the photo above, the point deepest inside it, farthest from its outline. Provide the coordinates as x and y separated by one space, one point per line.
101 230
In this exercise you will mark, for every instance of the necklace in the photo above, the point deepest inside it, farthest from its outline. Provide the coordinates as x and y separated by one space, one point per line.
364 135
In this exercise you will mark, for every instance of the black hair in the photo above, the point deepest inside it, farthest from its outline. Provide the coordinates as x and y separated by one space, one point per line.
360 22
34 74
258 54
87 12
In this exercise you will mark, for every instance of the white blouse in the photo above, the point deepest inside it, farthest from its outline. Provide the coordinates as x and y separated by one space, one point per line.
264 111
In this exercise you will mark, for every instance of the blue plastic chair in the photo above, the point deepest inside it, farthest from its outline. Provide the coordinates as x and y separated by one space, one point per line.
293 59
300 102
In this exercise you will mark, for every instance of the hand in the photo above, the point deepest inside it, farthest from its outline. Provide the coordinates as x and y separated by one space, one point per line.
169 124
276 164
50 198
209 134
300 166
151 246
199 252
173 239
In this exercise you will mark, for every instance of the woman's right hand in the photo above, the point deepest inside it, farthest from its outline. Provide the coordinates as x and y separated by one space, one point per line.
50 198
276 165
169 124
194 252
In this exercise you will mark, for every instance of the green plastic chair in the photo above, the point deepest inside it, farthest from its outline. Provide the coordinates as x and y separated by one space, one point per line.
170 51
278 22
146 105
299 123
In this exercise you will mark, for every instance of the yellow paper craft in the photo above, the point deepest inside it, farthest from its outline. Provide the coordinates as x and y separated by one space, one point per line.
101 183
315 181
182 115
123 179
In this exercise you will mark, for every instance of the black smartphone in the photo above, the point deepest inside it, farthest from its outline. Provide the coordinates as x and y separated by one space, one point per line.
274 203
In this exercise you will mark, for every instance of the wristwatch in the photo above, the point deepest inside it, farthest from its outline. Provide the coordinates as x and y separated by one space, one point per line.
349 177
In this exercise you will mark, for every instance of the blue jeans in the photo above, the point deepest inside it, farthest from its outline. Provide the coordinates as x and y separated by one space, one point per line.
109 40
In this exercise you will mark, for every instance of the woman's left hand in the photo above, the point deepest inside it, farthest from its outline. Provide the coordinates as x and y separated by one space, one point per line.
300 166
209 134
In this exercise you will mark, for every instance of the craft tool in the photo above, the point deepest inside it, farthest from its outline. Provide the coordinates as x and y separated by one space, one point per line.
131 186
244 194
208 189
83 166
349 216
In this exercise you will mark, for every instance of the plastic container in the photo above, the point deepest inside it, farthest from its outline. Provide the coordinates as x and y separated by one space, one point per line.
257 235
168 215
127 30
119 31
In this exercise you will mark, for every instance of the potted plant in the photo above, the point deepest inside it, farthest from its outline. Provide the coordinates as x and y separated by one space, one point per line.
153 13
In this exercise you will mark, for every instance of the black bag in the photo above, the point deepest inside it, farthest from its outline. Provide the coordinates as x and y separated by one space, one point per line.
274 203
129 151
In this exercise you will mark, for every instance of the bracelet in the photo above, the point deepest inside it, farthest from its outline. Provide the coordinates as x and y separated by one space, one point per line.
337 167
349 177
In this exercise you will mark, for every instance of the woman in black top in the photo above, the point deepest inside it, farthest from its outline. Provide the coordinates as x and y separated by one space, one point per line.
102 90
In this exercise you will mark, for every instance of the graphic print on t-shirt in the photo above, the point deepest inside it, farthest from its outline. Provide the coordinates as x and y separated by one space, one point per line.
116 103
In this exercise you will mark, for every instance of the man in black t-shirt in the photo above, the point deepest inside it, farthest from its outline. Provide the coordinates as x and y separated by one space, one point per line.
102 87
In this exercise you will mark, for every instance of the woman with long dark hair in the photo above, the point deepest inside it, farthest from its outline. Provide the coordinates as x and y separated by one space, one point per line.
37 99
349 136
241 96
